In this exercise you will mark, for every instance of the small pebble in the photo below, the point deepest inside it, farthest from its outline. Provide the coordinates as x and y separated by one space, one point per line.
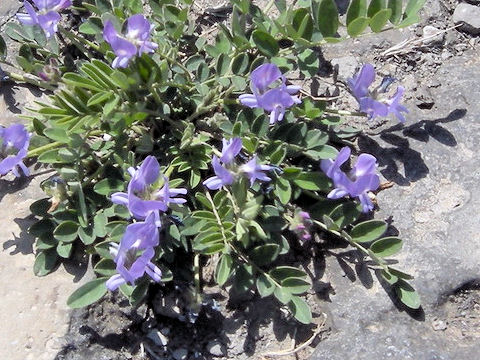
180 354
216 348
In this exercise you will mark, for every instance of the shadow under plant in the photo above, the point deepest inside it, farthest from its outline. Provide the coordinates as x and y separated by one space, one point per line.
393 146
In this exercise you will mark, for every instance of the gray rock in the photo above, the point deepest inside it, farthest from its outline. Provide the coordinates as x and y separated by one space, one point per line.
468 16
346 66
433 160
432 35
216 348
180 354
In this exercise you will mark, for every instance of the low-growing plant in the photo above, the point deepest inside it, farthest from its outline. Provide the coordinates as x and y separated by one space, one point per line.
172 145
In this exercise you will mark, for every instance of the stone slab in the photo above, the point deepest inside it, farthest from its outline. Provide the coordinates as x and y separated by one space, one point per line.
434 205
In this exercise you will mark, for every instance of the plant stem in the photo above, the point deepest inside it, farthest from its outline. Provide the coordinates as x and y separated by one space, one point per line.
345 112
23 78
233 247
351 242
44 148
79 40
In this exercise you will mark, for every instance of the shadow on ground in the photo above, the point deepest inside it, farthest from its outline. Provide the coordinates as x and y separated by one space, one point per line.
393 146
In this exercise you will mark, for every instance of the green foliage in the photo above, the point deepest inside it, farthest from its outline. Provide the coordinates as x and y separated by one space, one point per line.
177 104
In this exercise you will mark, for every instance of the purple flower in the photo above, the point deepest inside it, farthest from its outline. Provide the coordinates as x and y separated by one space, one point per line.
226 172
300 224
357 182
222 176
14 142
47 16
231 148
270 92
134 254
144 195
134 42
369 104
255 171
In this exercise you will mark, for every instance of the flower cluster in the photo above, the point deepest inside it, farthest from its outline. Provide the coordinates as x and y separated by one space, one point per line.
226 169
301 225
135 41
14 142
144 194
47 16
270 92
368 101
134 254
357 182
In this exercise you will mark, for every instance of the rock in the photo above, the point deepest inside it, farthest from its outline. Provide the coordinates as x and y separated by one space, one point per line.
468 16
180 354
346 66
432 35
433 161
157 337
216 348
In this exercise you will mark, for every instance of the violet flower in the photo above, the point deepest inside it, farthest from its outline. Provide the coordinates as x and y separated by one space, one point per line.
270 92
134 254
226 170
144 195
357 182
134 42
368 100
14 142
47 16
222 176
255 171
231 148
301 225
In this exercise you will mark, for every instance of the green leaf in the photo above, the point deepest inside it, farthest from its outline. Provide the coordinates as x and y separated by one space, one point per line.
389 277
413 7
368 231
57 134
387 246
64 249
396 7
345 214
308 62
109 185
283 190
202 214
3 48
282 294
303 23
223 63
300 310
378 21
265 286
356 10
357 26
328 18
240 64
312 181
43 226
105 267
375 6
45 262
224 269
140 291
86 235
296 285
66 231
264 254
280 273
265 43
88 293
407 294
